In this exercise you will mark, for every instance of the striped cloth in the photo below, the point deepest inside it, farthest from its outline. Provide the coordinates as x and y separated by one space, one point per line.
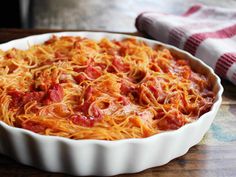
208 33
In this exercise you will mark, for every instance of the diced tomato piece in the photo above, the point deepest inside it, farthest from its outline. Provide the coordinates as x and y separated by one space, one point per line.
20 98
158 93
16 97
117 63
87 100
184 101
171 122
88 93
9 56
155 68
122 51
93 72
84 107
111 69
118 43
33 126
126 87
82 120
80 78
12 67
78 70
96 113
154 90
101 65
33 96
159 114
64 78
123 100
54 94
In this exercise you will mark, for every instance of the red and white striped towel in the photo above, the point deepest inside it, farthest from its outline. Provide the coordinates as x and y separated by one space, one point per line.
209 33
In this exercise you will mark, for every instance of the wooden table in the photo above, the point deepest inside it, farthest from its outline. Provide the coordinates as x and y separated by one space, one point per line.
214 156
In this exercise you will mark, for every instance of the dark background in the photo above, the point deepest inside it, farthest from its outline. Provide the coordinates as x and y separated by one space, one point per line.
10 14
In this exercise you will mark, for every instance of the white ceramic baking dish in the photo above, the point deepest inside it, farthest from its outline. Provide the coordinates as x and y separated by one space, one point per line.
99 157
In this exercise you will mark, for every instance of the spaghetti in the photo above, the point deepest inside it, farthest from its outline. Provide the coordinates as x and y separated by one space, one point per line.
78 88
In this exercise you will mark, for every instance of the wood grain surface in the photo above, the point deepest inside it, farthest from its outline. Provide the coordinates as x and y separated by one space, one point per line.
214 156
